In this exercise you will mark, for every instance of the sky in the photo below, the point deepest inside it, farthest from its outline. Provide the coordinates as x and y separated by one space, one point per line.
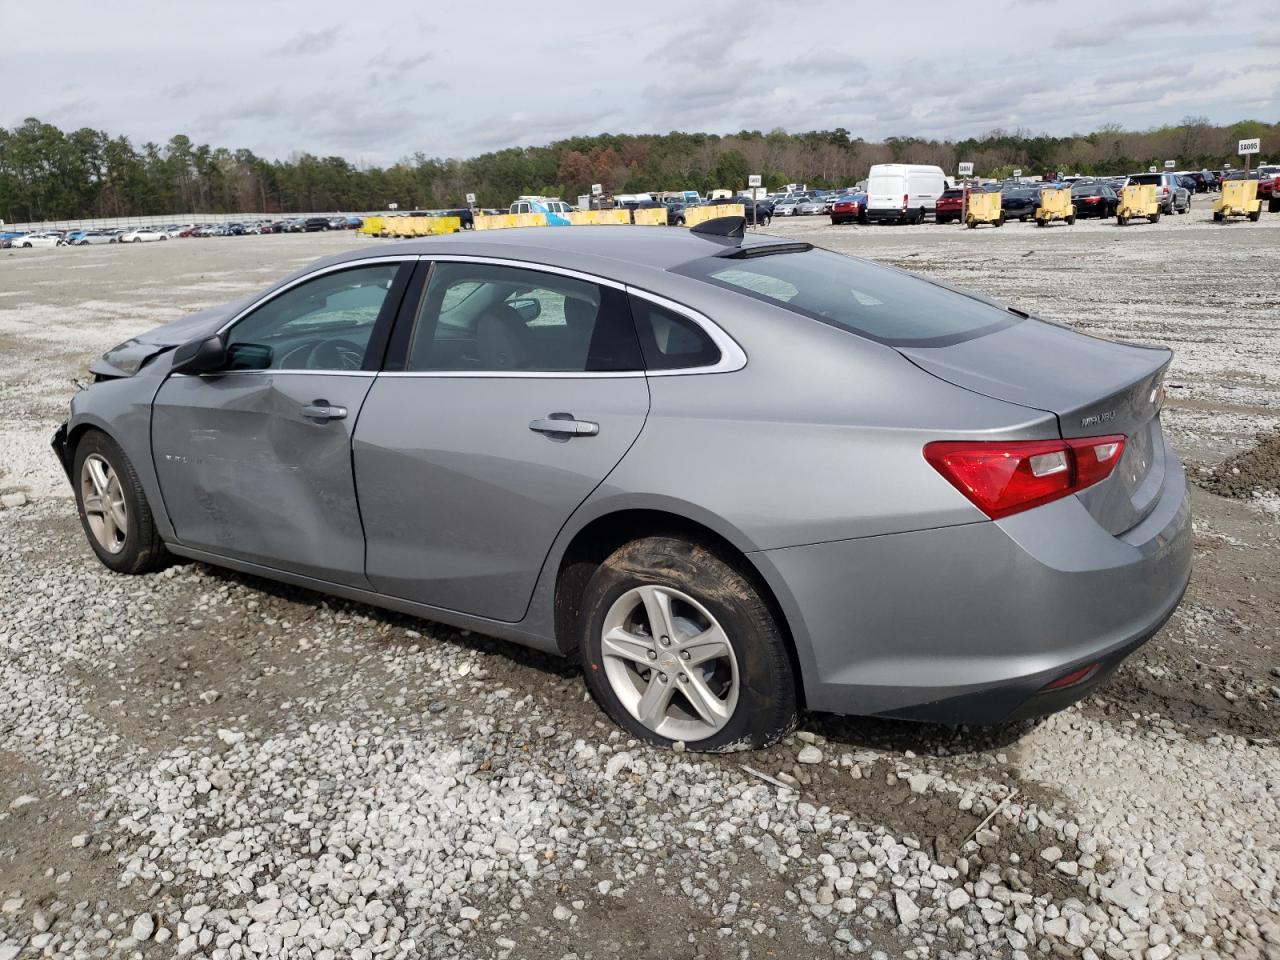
375 80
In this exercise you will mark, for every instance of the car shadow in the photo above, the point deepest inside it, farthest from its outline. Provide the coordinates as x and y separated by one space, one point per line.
923 739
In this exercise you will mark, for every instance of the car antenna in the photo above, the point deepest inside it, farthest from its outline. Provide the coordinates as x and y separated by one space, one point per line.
735 228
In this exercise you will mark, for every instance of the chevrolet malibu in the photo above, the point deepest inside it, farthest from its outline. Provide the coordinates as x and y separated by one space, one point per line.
736 476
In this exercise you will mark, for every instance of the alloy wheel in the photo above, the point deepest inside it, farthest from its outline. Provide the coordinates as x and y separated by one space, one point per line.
104 505
669 663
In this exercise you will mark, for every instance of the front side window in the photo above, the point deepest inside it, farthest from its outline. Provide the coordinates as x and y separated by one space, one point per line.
486 318
873 301
320 324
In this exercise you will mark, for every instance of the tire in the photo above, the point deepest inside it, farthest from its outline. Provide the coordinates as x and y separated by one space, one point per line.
141 549
1155 217
972 224
1256 215
1121 220
1041 222
1071 220
1273 206
1217 216
1000 220
763 705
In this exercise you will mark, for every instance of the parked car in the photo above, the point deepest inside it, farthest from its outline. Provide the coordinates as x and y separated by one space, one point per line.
83 238
1094 198
809 208
903 192
47 238
1268 190
143 235
786 207
1020 201
1019 516
759 212
950 206
850 208
1171 195
315 224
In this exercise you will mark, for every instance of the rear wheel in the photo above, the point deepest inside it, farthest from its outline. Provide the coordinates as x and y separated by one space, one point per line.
1217 216
1041 221
1121 219
677 645
1155 217
1256 215
113 507
1273 206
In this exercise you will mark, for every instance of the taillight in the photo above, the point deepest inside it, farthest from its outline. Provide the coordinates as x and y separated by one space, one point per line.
904 200
1003 478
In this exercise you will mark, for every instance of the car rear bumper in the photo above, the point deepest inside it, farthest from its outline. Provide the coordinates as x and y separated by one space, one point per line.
969 623
893 214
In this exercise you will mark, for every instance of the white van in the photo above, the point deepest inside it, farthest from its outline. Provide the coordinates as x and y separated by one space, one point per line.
904 192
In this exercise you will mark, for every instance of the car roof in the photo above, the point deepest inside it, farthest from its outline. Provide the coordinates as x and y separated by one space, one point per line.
606 250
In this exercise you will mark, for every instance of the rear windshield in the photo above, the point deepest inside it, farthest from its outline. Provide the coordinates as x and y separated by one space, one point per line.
873 301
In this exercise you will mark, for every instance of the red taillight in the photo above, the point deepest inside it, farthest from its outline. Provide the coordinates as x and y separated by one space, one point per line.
1072 678
1002 478
904 200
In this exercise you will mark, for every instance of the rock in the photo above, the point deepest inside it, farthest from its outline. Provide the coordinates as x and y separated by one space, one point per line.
908 912
188 945
23 801
11 500
209 696
957 899
80 840
846 905
603 887
469 913
1160 951
1051 854
809 754
561 912
1069 867
265 911
1057 927
10 951
42 921
143 927
919 782
230 737
506 846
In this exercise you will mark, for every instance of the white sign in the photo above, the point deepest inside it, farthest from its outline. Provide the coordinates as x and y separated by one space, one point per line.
1250 146
791 188
964 170
753 180
596 189
393 206
471 198
1017 174
1151 169
1168 164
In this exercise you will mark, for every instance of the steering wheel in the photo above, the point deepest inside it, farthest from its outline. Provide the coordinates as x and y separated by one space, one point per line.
335 355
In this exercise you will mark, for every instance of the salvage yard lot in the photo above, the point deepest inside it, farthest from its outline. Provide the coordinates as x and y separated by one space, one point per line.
256 769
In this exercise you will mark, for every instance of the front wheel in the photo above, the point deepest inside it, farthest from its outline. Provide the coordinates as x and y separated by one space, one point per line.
1121 220
677 645
1071 220
1256 215
113 507
1155 217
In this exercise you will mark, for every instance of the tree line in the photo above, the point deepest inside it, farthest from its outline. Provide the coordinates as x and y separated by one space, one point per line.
50 174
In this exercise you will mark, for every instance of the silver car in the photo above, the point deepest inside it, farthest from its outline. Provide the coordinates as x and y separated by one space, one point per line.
735 475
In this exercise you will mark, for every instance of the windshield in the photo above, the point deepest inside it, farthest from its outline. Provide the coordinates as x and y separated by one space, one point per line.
876 302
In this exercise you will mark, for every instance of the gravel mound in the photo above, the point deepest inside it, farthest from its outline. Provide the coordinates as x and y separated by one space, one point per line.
1248 473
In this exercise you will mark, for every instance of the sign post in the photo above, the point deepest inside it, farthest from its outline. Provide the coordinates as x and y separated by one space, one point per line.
1017 174
964 170
1246 149
753 182
393 206
597 191
471 200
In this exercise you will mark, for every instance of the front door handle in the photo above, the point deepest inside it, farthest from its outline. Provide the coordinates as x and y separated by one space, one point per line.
562 426
323 410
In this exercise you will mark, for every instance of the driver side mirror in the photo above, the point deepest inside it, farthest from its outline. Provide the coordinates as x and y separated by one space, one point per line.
200 356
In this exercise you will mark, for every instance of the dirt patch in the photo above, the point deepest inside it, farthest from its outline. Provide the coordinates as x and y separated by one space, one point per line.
1252 471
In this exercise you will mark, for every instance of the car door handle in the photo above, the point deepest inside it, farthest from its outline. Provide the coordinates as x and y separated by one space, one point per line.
562 426
323 410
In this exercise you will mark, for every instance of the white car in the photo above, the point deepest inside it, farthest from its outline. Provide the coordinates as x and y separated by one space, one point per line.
39 240
143 235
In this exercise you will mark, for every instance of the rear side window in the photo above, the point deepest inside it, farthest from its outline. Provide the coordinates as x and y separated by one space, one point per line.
872 301
669 340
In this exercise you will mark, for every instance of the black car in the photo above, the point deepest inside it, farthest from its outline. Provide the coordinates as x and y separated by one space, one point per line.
1020 202
759 213
675 213
315 224
466 216
1094 198
235 229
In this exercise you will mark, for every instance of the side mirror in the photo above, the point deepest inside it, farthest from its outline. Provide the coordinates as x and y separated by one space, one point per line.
200 356
528 308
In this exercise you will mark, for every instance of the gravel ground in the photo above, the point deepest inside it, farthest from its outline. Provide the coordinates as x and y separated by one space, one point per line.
200 763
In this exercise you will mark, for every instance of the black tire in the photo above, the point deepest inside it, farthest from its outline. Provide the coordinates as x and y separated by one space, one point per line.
1041 221
1071 220
1256 215
1273 206
1155 217
1217 216
1121 219
143 550
767 706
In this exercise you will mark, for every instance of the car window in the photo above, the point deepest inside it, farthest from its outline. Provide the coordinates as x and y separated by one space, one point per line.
487 318
321 324
882 304
669 340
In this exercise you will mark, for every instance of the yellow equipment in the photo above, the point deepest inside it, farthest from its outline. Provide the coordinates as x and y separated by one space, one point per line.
696 215
372 226
1138 200
1055 205
983 208
1239 198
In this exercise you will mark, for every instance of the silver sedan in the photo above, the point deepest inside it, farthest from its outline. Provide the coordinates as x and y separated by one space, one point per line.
732 475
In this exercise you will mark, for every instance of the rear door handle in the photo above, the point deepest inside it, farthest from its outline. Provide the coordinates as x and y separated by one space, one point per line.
562 426
323 410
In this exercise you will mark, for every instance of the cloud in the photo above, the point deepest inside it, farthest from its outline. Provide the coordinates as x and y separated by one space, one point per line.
311 42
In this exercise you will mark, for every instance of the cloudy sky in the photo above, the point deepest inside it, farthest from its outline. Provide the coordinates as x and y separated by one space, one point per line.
377 80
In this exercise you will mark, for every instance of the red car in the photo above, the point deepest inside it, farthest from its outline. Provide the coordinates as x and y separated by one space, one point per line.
849 208
950 206
1269 188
